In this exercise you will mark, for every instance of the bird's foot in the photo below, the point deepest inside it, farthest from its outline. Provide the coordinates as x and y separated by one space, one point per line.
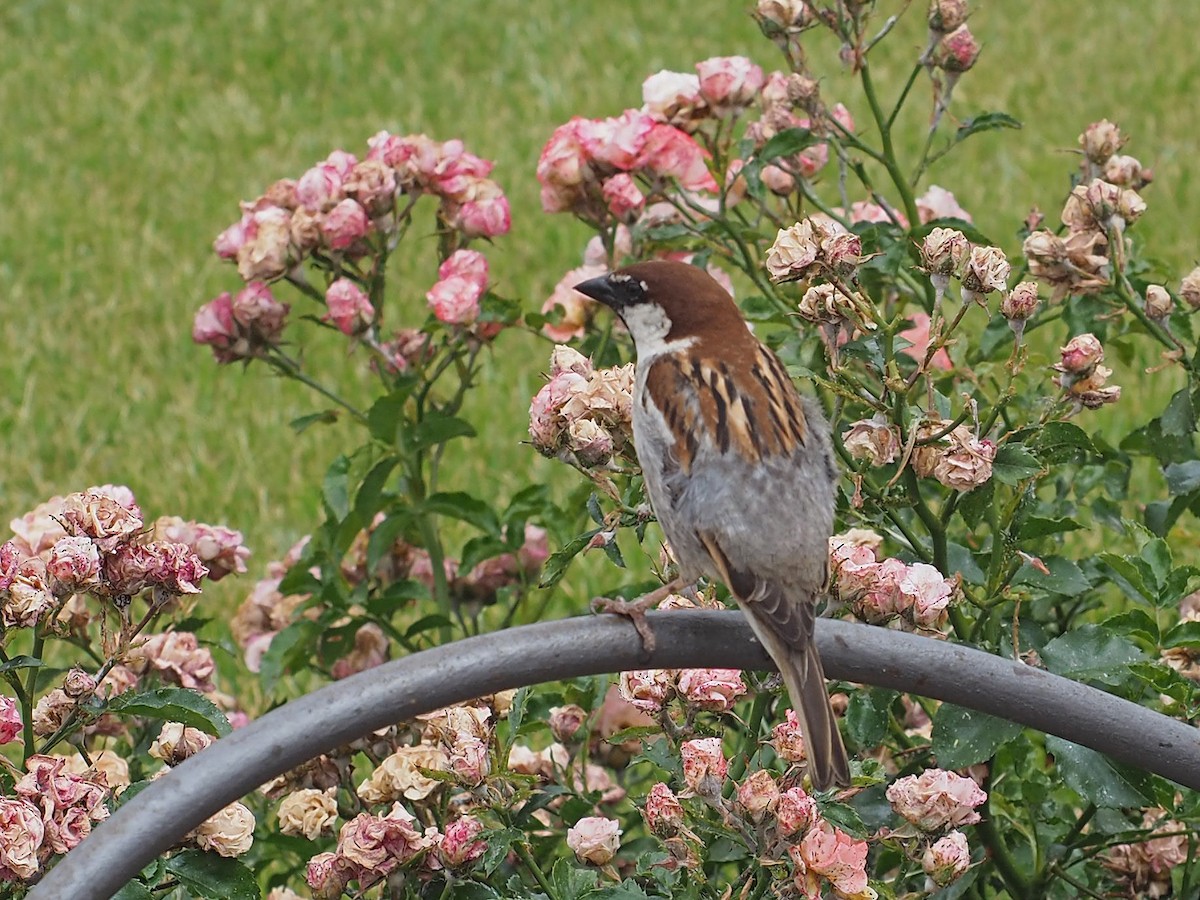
635 611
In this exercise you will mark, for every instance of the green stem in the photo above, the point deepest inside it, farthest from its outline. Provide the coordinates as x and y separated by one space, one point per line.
737 768
539 876
889 149
291 369
912 79
1018 885
26 697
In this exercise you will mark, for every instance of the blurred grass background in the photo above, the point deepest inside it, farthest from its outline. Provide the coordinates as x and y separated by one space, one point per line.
132 129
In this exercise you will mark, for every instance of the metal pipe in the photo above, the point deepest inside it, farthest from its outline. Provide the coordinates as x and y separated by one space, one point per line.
157 818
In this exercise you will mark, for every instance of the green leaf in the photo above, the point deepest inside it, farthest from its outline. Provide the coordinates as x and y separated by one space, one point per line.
1135 622
209 875
1183 477
1059 442
287 651
974 504
173 704
427 623
788 142
1036 527
868 714
633 733
134 890
844 817
962 560
626 890
21 662
556 565
516 713
1179 418
471 890
659 753
499 843
988 121
1065 577
438 428
1091 652
461 505
1092 775
572 882
303 423
1185 634
963 737
383 536
385 418
336 488
1133 574
1014 463
370 497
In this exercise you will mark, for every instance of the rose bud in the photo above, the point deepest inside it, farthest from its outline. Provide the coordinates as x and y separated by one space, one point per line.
1159 304
947 859
788 740
345 224
459 846
1125 171
704 766
348 307
842 252
942 254
78 683
784 15
1080 354
1100 140
1019 305
946 15
1189 288
663 812
758 795
795 811
986 271
874 440
565 722
595 839
956 51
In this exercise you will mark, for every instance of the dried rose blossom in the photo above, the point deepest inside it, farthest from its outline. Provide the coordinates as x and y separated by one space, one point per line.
936 799
1159 304
595 839
663 812
947 858
1100 141
795 811
875 440
460 845
712 689
646 689
177 742
704 766
758 794
348 307
565 721
828 852
308 813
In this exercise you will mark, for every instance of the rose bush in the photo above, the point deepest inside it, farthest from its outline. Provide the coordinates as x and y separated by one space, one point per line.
987 498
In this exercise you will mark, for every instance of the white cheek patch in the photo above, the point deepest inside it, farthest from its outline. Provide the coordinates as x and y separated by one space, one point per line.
649 325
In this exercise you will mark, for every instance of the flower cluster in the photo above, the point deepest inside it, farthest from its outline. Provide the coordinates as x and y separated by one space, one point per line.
582 414
342 210
1083 380
913 595
1144 867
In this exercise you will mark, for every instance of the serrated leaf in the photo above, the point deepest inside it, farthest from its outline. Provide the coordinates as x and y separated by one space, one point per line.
1065 577
868 714
303 423
1136 622
963 737
1179 418
988 121
1183 477
844 817
572 882
633 733
1091 652
210 875
385 418
287 650
498 842
1092 775
1036 527
461 505
516 711
974 504
556 565
1133 574
1058 442
335 490
788 142
1184 634
471 890
1013 464
962 561
659 754
173 704
134 890
438 428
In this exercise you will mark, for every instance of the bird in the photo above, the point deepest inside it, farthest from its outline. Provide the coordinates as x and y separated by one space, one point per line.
739 470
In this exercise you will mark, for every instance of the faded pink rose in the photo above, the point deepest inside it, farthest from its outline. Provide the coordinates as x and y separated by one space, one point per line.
713 689
663 812
795 811
939 203
379 843
828 852
373 184
926 594
345 224
463 277
21 835
213 325
670 153
704 766
647 689
460 845
470 759
788 739
623 197
74 564
349 307
327 874
371 649
220 548
10 720
876 440
1081 354
577 310
673 98
267 252
947 858
233 238
617 142
177 657
956 51
484 213
320 188
563 167
595 839
729 82
866 211
758 794
177 742
936 799
95 514
29 597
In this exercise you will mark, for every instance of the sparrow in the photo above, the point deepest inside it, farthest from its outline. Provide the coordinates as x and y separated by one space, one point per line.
739 470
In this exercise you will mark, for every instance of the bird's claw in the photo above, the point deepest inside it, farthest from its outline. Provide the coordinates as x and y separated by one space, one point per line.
635 611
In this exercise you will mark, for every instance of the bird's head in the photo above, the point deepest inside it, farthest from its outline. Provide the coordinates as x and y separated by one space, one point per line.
663 302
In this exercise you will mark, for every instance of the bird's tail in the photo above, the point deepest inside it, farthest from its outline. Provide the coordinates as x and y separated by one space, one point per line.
805 680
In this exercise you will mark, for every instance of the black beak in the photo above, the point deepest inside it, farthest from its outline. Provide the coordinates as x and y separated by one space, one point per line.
602 290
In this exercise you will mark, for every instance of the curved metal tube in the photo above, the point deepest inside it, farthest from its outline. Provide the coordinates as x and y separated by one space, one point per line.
157 818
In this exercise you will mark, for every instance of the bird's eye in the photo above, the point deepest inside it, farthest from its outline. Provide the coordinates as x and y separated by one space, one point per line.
634 289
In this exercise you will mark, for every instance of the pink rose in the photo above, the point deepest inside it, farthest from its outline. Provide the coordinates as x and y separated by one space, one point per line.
795 811
218 547
328 874
345 224
460 845
918 336
595 839
758 794
379 843
349 308
21 834
936 799
469 759
341 162
729 82
267 251
563 167
704 766
10 720
576 309
646 689
927 594
670 153
623 197
455 301
177 657
947 859
320 188
483 212
74 564
233 238
673 98
939 203
663 812
373 184
617 142
10 560
714 689
829 852
214 326
788 739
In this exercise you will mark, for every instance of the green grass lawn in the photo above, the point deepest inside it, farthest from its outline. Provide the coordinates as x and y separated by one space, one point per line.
132 129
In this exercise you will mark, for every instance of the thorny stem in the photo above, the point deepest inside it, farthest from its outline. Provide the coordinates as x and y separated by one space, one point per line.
539 876
289 367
